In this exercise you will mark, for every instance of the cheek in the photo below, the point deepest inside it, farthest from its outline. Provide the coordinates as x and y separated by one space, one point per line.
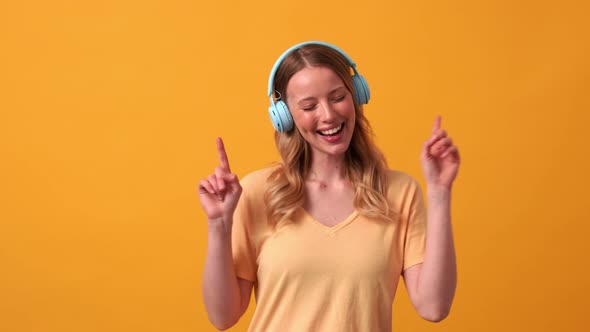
348 110
303 121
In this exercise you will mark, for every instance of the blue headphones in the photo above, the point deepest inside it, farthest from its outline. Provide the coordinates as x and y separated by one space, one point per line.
278 111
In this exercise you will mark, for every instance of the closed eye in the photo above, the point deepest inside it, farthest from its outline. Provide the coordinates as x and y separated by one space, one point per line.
339 98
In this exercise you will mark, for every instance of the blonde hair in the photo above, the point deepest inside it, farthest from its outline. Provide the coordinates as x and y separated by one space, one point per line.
365 165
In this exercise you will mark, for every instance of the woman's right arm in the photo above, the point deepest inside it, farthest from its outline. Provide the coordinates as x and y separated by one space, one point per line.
225 295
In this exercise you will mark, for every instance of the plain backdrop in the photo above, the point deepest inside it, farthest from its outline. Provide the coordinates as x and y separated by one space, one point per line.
110 109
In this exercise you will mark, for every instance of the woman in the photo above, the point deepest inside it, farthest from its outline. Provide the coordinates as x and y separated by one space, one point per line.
324 236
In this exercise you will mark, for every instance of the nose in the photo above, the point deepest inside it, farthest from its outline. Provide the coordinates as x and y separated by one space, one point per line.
327 112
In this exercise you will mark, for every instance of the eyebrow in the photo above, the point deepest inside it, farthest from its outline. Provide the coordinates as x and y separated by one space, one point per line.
312 98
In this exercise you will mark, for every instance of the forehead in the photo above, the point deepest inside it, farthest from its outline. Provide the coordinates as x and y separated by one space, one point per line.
312 81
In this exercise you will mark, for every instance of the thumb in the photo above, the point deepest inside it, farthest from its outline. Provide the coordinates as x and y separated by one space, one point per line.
232 181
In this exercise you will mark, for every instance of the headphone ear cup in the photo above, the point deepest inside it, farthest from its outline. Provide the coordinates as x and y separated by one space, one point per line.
280 117
361 89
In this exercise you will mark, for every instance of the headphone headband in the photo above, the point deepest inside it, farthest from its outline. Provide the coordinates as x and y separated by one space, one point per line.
275 67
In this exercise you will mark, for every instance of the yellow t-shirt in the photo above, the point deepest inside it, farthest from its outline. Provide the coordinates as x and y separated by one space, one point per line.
311 277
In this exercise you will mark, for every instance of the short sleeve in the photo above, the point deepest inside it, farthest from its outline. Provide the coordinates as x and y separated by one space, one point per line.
416 229
243 250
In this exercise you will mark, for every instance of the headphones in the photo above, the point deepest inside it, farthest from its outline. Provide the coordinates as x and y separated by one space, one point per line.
278 111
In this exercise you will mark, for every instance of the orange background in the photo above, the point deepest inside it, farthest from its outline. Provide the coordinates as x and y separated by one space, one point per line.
110 110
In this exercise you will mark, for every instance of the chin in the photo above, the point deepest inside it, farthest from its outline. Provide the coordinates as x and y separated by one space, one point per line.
339 150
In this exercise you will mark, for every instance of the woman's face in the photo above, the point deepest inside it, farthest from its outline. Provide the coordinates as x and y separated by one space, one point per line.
322 109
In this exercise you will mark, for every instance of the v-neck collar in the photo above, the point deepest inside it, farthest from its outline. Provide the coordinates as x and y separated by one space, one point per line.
331 229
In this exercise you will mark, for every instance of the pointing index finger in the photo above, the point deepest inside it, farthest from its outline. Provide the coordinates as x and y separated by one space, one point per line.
436 125
222 155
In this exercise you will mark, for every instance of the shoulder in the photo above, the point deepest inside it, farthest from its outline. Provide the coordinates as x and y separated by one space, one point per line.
401 185
256 183
251 211
258 177
405 195
399 179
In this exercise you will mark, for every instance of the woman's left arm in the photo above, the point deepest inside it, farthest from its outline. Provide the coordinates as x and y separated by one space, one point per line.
431 285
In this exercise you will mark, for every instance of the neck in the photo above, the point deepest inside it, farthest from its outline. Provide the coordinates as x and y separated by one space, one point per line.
327 169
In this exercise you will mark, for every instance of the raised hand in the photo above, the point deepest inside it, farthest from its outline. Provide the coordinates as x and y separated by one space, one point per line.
439 158
219 193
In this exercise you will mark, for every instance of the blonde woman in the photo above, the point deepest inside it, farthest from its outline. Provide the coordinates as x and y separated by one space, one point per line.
324 236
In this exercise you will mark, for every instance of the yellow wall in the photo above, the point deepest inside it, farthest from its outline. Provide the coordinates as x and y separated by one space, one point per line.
109 110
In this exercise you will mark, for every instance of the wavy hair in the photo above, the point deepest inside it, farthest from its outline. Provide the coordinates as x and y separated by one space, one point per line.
365 165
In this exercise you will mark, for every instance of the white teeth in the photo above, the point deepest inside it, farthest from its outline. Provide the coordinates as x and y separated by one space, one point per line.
332 131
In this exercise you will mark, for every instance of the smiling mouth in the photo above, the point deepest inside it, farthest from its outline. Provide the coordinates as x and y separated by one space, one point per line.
332 132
